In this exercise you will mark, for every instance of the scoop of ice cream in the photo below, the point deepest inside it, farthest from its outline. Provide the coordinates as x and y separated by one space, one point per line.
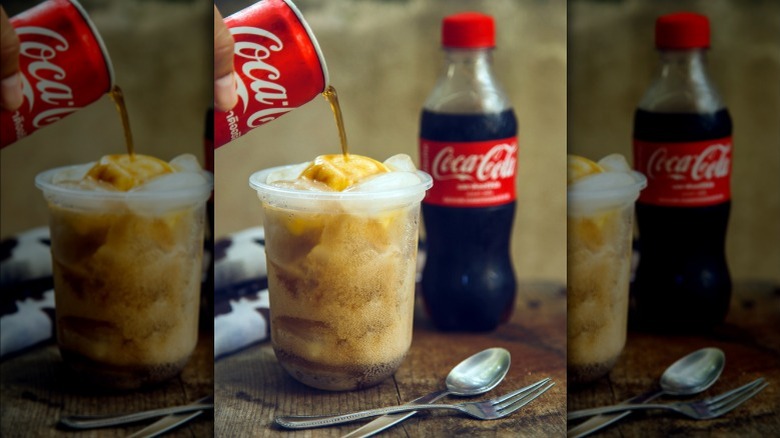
124 172
610 172
579 167
339 171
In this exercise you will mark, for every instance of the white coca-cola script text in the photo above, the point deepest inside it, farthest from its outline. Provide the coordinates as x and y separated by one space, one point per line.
41 46
711 162
263 76
499 162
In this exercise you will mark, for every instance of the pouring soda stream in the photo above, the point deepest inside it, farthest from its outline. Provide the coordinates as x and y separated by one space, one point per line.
333 99
118 97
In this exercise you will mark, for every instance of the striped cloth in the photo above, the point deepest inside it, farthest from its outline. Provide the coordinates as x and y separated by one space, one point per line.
239 304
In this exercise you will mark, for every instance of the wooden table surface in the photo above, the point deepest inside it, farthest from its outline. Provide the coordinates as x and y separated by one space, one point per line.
251 388
750 338
36 390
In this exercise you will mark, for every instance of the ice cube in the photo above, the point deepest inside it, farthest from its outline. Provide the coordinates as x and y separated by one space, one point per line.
186 163
287 173
302 184
400 162
172 181
615 163
385 181
603 181
72 174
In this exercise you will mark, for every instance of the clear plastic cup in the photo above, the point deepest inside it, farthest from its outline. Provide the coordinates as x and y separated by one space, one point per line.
341 279
127 275
600 220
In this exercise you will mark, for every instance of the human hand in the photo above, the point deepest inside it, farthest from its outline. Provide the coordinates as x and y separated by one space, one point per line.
225 97
10 78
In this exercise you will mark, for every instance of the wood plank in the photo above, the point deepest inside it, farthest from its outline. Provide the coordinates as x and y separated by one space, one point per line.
37 390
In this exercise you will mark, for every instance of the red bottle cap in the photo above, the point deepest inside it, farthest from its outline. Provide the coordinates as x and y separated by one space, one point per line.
683 30
468 30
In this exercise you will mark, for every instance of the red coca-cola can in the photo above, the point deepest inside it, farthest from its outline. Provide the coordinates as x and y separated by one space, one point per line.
64 66
278 66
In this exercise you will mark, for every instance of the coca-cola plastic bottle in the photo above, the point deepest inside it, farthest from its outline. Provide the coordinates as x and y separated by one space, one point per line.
682 143
468 143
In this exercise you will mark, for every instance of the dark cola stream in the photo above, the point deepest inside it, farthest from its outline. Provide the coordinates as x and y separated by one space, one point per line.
119 101
333 99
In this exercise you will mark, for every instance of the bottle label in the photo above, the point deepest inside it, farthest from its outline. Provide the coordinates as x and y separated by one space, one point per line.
470 174
685 174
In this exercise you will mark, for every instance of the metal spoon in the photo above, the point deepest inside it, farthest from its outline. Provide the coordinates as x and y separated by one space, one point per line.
690 375
476 375
96 421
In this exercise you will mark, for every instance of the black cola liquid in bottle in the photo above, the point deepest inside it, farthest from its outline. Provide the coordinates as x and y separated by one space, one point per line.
682 144
468 144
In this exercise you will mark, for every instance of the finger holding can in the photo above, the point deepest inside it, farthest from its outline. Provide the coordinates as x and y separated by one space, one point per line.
11 84
225 97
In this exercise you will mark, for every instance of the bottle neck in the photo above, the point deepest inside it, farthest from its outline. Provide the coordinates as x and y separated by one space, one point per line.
467 84
469 66
690 64
468 59
682 84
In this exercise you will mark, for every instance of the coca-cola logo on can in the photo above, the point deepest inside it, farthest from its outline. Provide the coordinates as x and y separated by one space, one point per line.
278 67
63 63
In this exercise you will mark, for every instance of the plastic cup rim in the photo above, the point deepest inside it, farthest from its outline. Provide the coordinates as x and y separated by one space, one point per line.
43 182
257 182
620 194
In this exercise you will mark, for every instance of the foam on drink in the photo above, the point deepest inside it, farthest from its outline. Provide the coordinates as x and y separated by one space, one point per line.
600 225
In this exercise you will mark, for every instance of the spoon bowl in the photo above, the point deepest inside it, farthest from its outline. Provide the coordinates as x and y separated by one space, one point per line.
479 373
693 373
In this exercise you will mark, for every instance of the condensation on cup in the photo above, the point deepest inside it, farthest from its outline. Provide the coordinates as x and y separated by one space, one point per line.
278 66
64 66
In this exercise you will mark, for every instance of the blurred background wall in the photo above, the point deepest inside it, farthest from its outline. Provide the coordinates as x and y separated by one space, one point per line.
612 60
383 58
162 57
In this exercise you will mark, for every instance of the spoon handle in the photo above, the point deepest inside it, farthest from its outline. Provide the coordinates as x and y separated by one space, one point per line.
387 421
309 421
96 421
600 421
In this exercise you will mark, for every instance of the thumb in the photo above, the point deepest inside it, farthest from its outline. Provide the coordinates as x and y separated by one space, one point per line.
9 47
11 84
225 96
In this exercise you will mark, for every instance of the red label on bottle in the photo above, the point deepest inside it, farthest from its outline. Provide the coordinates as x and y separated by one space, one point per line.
685 174
470 174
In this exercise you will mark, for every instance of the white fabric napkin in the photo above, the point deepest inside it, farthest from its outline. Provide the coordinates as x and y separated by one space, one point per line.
27 299
240 291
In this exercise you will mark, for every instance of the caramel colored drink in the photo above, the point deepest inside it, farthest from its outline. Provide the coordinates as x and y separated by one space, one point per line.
127 243
341 244
600 222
